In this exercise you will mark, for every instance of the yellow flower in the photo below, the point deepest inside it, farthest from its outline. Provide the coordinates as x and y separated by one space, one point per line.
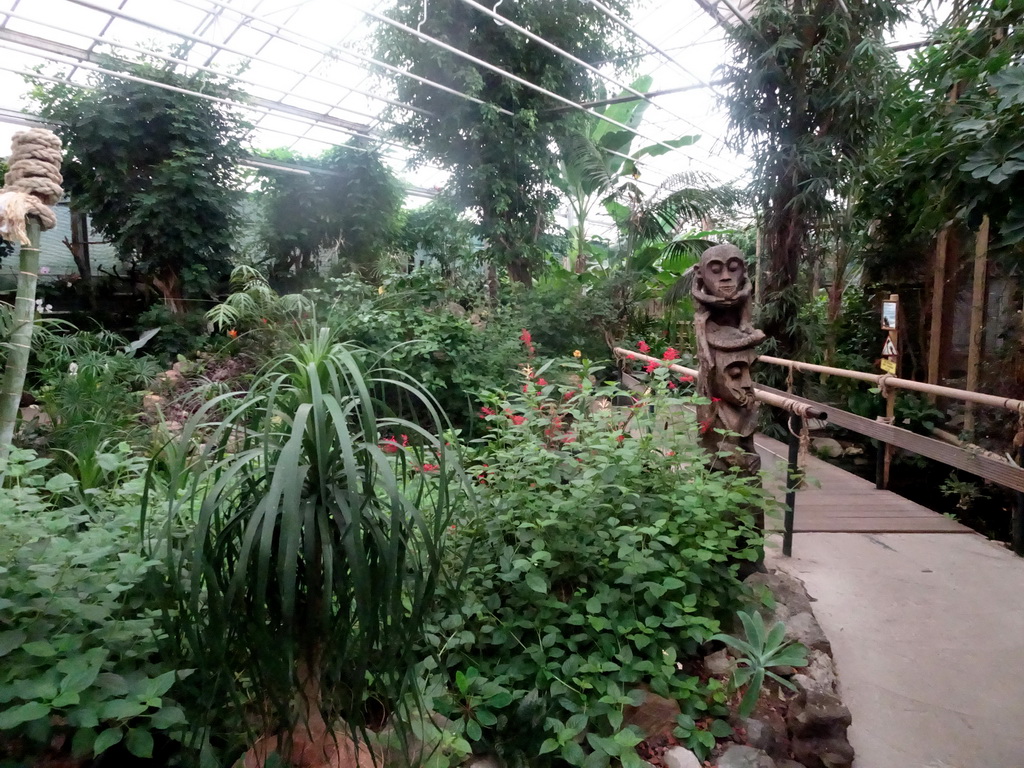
577 354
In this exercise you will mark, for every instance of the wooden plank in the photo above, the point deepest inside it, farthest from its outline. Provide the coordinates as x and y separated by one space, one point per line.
938 297
1003 473
979 290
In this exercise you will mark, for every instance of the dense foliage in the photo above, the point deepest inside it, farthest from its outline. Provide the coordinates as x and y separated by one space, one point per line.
156 169
498 146
953 152
347 208
602 553
808 83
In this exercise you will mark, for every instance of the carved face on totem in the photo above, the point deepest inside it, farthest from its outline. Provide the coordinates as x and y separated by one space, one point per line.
732 382
723 271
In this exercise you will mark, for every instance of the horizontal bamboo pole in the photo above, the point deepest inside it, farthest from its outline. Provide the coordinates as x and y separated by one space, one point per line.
887 380
803 410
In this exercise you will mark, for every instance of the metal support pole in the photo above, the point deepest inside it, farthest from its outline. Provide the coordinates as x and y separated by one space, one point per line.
792 481
880 464
1017 521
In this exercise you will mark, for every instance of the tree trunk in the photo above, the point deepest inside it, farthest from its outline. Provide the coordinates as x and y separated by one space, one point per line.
169 285
20 346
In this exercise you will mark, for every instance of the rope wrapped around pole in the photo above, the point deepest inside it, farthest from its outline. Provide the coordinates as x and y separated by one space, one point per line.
32 184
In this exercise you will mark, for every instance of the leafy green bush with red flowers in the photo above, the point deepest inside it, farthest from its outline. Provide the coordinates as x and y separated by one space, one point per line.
600 555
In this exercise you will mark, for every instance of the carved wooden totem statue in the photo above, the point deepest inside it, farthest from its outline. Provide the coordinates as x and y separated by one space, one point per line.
725 352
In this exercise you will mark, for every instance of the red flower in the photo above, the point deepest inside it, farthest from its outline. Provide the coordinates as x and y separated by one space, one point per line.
705 426
686 379
644 347
517 419
541 383
620 438
671 385
651 367
671 354
630 356
429 467
485 412
233 334
716 399
390 445
527 340
569 395
405 440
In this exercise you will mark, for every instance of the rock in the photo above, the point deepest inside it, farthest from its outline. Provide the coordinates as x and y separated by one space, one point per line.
853 450
311 748
804 628
827 447
719 663
819 675
818 723
814 713
484 761
680 757
738 756
172 377
152 403
789 764
456 309
788 591
784 671
767 736
656 716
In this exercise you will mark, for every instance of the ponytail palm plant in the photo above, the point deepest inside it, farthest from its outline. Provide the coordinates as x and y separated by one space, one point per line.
304 541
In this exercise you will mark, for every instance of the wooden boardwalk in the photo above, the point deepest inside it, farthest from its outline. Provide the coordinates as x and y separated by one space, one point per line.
836 501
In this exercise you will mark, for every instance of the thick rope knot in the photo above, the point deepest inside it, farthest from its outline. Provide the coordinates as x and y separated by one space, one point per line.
32 184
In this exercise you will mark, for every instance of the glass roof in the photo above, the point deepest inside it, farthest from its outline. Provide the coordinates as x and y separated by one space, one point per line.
304 65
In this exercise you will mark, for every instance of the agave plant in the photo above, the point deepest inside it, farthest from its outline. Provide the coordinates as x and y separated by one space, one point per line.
303 543
758 654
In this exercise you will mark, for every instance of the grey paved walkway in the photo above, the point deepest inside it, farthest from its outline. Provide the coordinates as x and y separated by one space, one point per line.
928 635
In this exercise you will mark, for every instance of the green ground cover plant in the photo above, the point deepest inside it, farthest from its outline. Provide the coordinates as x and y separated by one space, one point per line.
601 556
79 662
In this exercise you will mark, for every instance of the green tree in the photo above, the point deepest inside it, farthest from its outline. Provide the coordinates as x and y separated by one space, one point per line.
350 201
589 172
501 165
809 79
954 150
156 169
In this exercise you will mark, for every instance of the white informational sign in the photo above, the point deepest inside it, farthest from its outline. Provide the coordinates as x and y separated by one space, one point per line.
889 350
890 312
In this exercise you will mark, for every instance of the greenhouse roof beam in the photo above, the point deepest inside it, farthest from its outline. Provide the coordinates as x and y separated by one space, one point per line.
89 55
628 27
508 75
295 38
82 54
236 52
155 84
574 59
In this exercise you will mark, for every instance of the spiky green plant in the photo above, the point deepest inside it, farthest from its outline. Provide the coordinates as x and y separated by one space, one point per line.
304 543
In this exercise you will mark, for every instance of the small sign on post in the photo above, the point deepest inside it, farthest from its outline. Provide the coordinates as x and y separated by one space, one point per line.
889 363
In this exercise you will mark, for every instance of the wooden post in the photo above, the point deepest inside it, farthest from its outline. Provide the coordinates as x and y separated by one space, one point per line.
890 362
20 342
792 483
977 338
938 300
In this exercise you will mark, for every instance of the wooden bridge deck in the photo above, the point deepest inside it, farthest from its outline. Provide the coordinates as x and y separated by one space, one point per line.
836 501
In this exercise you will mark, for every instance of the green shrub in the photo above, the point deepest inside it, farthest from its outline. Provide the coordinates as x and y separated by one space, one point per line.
77 639
603 555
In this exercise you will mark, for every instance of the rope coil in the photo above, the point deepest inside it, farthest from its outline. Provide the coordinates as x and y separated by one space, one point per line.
32 184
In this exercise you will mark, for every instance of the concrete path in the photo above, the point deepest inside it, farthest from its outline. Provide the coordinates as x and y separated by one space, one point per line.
928 635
